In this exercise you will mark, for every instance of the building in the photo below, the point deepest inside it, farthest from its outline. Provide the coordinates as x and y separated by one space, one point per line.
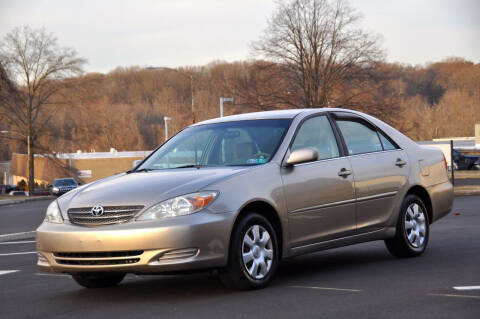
84 167
467 145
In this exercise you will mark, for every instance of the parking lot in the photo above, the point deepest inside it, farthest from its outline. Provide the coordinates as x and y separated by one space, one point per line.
361 281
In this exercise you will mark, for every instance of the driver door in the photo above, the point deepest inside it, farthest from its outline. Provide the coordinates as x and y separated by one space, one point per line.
320 195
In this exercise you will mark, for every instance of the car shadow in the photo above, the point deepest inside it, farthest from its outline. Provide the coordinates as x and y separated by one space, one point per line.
336 261
206 285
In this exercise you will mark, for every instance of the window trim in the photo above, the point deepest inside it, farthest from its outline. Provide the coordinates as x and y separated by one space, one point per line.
347 116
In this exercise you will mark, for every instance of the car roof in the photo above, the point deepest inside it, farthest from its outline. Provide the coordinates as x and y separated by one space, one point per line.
266 115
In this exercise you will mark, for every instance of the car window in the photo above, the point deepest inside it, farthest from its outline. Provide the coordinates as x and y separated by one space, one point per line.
359 137
64 182
186 151
316 132
456 155
236 143
387 145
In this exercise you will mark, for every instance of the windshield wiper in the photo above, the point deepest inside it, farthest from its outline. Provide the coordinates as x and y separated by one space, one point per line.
247 164
140 170
189 166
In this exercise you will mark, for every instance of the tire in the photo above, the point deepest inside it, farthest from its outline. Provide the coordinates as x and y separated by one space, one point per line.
412 231
257 268
98 280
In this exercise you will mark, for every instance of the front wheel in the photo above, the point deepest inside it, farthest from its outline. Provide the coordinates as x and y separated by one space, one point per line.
412 231
253 255
98 280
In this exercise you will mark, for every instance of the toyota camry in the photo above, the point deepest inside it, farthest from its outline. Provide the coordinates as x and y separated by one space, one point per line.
241 193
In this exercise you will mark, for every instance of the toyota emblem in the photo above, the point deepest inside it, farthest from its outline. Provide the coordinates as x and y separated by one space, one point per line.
97 210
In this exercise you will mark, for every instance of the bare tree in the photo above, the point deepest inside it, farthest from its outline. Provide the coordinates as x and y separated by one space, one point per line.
38 69
321 42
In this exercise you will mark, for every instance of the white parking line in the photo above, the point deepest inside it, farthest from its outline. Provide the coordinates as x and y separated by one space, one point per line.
455 296
467 288
18 242
327 288
24 253
4 272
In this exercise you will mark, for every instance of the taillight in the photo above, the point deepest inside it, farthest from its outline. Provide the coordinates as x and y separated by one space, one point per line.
445 162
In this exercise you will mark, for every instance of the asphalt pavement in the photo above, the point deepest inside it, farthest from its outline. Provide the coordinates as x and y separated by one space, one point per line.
361 281
23 217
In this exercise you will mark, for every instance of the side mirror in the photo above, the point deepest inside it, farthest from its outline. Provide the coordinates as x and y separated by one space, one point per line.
302 155
50 186
135 163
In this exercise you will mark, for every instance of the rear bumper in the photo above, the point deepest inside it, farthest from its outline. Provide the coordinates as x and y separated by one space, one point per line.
441 196
182 243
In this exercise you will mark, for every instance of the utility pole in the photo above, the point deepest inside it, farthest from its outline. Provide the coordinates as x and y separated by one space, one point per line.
191 93
185 74
166 119
30 159
224 99
29 169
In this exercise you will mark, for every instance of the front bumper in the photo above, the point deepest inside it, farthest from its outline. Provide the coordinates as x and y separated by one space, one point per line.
61 191
182 243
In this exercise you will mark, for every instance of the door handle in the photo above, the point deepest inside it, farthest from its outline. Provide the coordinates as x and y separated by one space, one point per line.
344 172
400 162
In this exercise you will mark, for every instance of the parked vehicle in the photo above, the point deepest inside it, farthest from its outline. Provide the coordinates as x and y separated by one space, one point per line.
465 162
6 189
246 192
18 193
61 186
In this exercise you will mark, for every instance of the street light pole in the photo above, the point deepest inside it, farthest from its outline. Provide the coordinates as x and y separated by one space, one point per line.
166 119
224 99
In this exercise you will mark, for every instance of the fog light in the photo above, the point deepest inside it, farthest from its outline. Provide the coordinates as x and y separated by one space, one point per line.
42 259
179 254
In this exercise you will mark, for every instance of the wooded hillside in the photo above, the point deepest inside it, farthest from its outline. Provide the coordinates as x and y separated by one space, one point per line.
124 109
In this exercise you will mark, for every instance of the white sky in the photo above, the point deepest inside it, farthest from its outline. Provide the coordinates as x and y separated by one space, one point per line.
171 33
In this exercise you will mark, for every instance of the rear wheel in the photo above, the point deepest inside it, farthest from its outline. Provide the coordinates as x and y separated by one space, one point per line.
412 231
253 255
98 280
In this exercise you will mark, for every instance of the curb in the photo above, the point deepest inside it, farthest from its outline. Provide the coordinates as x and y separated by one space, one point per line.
18 236
466 192
6 202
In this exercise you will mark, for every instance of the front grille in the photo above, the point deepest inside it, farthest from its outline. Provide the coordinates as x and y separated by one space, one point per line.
111 215
108 254
98 262
98 258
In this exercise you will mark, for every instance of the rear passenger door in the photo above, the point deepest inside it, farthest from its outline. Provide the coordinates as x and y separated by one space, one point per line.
380 169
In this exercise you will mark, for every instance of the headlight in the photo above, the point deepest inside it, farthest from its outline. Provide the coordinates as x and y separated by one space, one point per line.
55 189
53 214
179 206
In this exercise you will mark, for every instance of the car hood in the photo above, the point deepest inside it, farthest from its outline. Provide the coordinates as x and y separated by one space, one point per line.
144 188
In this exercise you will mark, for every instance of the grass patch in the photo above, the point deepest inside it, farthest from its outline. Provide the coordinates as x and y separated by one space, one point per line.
4 197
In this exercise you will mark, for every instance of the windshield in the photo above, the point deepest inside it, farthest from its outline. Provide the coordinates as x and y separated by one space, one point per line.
64 182
221 144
